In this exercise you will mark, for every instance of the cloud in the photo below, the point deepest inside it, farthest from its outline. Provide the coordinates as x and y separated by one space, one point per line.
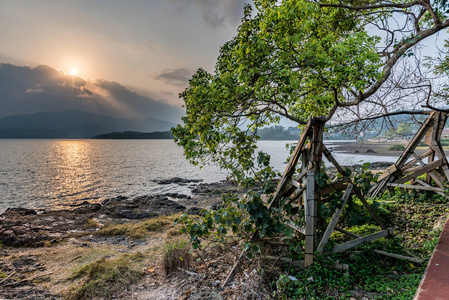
217 13
28 90
178 77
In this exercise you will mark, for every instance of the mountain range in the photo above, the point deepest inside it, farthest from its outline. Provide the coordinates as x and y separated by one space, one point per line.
43 102
74 124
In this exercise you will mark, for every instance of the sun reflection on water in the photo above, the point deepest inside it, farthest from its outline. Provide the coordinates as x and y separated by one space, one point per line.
73 170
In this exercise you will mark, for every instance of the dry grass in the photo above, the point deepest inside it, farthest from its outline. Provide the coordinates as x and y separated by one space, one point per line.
176 255
90 223
138 230
105 277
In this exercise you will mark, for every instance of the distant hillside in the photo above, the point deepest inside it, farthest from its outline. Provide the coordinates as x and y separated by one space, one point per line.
135 135
74 124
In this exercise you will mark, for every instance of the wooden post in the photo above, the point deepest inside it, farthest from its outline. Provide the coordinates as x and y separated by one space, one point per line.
334 220
310 215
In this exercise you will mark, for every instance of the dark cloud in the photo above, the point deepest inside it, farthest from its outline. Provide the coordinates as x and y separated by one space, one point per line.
27 90
175 76
217 12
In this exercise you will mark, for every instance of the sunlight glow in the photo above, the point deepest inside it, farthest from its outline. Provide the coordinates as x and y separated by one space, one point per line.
74 71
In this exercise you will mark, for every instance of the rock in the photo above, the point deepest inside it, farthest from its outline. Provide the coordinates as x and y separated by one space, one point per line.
177 180
177 196
20 236
87 208
132 214
20 211
370 151
194 211
140 207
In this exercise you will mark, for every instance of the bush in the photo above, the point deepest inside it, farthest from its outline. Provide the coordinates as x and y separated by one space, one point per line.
396 147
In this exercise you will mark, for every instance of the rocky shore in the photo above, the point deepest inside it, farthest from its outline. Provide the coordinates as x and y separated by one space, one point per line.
22 227
27 234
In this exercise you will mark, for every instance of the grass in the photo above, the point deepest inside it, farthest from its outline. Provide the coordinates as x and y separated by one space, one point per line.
137 230
105 277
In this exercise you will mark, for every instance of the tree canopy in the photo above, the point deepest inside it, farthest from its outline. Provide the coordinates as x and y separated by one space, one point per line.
298 59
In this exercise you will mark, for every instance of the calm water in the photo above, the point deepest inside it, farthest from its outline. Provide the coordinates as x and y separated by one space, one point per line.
56 173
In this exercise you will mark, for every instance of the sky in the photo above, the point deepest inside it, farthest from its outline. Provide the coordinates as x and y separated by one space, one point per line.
150 46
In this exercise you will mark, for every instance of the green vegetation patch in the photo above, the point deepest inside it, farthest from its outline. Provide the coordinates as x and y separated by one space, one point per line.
413 216
105 277
396 147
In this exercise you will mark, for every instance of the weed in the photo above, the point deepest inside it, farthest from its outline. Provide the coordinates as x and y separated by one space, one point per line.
3 274
104 277
176 255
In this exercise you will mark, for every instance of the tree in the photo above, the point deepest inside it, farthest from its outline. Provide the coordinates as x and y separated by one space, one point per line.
297 59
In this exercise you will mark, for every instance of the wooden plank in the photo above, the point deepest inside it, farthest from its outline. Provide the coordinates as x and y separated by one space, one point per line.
426 184
310 216
334 220
295 183
369 208
415 141
414 161
351 234
332 186
408 258
416 187
297 264
432 173
290 169
297 192
431 158
356 242
390 170
332 160
420 171
292 225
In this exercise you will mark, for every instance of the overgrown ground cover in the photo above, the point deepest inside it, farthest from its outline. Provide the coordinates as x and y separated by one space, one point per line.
416 219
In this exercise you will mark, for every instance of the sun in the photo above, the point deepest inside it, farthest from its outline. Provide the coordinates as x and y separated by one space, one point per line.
73 71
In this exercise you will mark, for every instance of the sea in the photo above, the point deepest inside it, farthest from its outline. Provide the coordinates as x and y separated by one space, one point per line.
58 173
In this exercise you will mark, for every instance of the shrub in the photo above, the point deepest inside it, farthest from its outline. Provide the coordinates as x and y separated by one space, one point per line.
396 147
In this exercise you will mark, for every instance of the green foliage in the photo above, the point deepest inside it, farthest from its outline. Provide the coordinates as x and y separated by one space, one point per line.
105 277
396 147
292 59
